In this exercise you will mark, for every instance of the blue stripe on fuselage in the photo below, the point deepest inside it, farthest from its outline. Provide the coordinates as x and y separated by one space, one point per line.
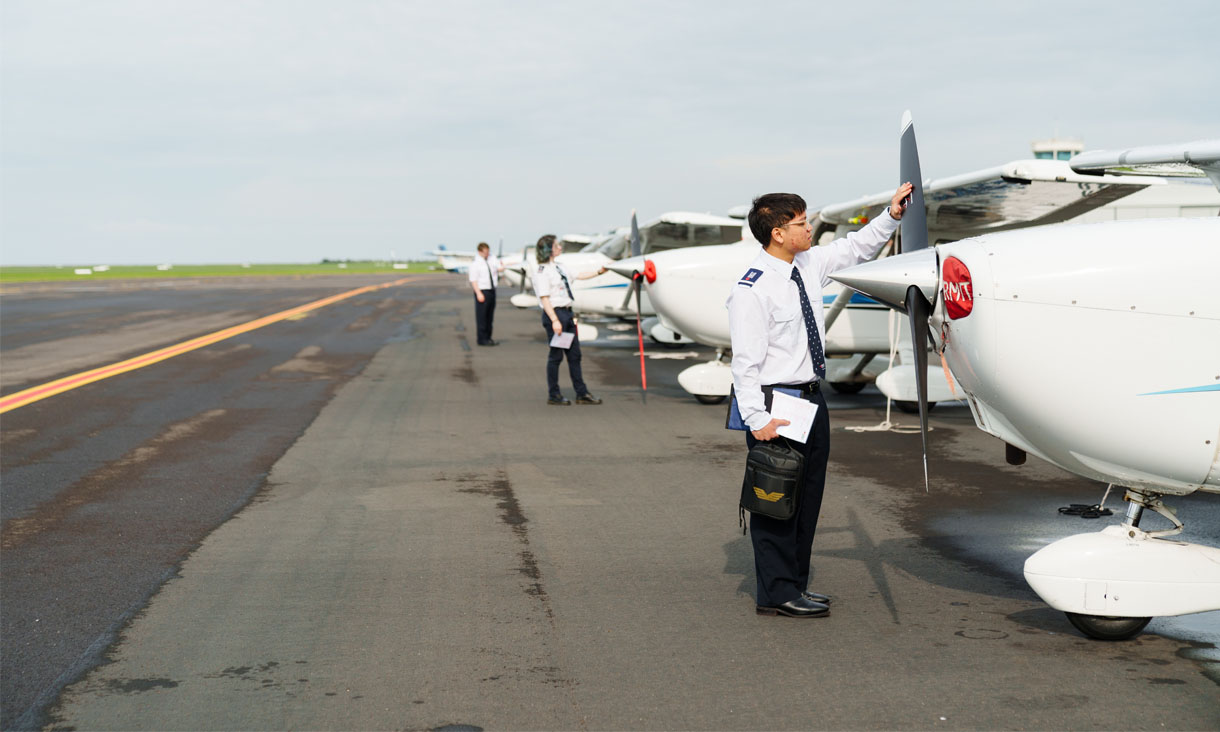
856 299
1187 390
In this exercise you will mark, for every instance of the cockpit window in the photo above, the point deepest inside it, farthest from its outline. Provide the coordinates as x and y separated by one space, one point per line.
669 236
615 247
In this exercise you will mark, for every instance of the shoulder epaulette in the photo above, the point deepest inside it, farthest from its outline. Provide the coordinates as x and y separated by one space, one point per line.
750 277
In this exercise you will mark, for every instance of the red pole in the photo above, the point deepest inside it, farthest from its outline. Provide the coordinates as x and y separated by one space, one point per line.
639 331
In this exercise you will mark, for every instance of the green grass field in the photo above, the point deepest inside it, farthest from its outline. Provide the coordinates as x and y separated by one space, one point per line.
51 274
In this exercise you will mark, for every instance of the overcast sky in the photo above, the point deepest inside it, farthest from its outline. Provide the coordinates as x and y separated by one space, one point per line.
296 130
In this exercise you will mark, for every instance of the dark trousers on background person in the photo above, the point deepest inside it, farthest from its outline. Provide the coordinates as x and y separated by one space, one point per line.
782 547
556 355
484 312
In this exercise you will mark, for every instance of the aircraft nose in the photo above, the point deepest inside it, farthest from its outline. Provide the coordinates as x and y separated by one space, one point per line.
627 266
887 280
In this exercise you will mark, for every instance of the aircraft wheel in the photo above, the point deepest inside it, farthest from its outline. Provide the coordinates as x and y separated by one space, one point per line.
847 387
709 399
911 407
1107 628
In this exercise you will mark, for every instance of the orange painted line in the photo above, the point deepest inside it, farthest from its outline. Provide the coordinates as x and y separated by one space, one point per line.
67 383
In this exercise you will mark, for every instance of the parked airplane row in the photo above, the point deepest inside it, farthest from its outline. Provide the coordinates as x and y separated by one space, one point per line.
690 260
686 278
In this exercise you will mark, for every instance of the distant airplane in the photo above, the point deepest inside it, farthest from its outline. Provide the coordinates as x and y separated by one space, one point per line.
1096 348
460 261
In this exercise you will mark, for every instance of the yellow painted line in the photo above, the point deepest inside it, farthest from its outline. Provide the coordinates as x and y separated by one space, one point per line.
59 386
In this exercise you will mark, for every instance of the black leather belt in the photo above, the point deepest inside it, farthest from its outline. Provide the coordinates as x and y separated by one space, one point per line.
563 307
806 389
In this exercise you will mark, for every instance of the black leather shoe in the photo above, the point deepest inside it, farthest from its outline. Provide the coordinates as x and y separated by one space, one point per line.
559 401
587 399
798 608
815 597
489 343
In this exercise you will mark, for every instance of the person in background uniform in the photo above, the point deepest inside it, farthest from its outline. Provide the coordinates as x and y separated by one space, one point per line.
777 329
484 276
552 285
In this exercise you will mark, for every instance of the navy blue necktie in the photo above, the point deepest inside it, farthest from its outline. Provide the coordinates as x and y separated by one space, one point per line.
811 327
566 286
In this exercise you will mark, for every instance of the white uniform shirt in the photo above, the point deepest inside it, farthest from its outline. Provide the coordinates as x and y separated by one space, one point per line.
486 272
770 345
548 284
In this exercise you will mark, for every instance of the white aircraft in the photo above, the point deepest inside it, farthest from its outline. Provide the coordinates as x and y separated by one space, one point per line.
1135 298
688 287
452 261
611 294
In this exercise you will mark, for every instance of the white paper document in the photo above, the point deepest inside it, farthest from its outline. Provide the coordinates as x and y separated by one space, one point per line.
563 340
797 411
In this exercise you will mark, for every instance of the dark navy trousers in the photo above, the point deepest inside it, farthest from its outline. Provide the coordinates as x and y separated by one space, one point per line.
556 355
484 313
782 547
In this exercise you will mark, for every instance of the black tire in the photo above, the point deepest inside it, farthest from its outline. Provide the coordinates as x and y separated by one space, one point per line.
709 399
847 387
911 407
1107 628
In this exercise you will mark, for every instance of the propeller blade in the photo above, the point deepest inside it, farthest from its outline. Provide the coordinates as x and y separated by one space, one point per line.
915 219
908 282
635 235
918 312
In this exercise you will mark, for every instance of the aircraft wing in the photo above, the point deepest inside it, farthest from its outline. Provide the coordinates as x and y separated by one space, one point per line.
692 217
1188 160
1015 195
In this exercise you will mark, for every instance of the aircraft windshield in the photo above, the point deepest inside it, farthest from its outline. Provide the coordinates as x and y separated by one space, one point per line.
671 236
615 247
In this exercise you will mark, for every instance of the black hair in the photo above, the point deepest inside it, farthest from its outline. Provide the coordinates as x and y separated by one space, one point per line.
771 210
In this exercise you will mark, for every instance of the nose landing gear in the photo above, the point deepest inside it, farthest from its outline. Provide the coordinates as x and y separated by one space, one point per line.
1113 582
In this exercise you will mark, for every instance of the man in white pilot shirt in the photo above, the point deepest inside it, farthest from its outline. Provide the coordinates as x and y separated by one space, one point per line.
484 276
772 346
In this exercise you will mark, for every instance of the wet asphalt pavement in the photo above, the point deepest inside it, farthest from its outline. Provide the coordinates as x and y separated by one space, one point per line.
359 520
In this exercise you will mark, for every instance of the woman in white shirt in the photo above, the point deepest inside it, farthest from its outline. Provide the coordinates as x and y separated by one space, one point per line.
552 285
